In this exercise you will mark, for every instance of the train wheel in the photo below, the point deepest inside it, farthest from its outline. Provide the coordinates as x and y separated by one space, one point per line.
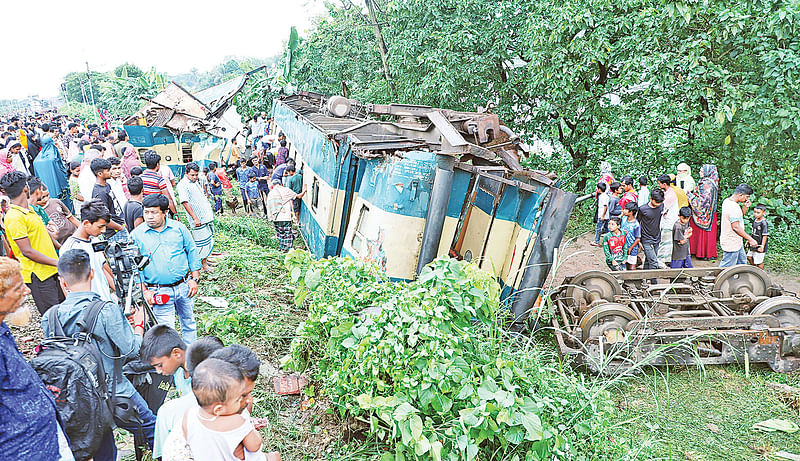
787 310
607 319
589 286
739 279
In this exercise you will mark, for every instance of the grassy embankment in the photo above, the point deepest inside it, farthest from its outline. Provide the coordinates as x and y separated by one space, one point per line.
666 414
706 414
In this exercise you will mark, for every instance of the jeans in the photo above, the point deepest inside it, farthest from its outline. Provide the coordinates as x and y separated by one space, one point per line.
732 258
600 229
180 303
650 255
681 263
146 431
217 202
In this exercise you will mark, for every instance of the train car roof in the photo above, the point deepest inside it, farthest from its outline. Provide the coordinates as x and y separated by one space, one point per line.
378 130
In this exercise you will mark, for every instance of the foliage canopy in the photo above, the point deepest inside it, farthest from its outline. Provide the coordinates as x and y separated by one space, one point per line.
644 84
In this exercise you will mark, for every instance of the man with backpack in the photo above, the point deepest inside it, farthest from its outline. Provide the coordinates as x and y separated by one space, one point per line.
30 429
84 312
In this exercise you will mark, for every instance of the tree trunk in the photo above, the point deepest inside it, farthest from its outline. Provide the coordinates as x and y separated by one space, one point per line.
579 159
381 46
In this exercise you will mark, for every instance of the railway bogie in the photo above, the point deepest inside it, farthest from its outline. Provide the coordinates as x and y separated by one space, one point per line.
621 321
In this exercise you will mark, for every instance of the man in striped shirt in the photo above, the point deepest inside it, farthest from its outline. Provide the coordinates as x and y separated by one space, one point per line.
198 208
153 182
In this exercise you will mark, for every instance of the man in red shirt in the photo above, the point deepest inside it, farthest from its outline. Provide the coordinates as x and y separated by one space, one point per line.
630 193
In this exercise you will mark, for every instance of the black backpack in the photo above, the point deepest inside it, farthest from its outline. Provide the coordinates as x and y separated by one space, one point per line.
72 369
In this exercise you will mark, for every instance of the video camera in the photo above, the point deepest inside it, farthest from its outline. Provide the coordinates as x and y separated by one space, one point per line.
126 262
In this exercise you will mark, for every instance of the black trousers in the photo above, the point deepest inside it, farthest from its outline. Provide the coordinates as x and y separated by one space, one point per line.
46 293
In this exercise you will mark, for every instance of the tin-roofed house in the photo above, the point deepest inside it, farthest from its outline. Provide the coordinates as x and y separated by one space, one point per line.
400 185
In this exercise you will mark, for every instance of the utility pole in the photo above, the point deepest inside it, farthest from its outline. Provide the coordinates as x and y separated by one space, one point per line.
91 92
64 92
83 92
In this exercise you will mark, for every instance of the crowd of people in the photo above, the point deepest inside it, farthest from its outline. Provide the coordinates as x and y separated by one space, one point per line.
66 187
666 226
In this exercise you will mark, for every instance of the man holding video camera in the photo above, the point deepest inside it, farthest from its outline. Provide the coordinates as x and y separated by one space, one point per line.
171 279
94 219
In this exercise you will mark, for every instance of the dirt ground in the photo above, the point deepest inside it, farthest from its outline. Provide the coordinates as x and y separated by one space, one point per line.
578 256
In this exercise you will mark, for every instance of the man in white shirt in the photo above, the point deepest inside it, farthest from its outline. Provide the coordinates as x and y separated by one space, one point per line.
644 192
94 218
668 220
201 215
602 213
732 227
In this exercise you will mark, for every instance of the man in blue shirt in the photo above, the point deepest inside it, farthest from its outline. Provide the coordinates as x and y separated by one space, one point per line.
117 340
279 170
30 429
174 268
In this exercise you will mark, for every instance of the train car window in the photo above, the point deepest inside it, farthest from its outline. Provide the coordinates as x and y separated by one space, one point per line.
362 225
315 194
187 154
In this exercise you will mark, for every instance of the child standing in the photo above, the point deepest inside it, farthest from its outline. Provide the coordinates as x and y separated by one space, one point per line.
74 187
220 423
755 255
614 207
242 179
680 240
644 191
633 233
203 180
215 187
614 246
253 194
602 213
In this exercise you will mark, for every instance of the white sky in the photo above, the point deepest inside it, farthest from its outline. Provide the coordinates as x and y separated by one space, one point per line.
58 36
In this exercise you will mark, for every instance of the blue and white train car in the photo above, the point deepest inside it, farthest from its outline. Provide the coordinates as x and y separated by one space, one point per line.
400 185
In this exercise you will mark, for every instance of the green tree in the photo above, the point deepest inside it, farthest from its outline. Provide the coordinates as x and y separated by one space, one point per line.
123 95
74 81
644 84
128 70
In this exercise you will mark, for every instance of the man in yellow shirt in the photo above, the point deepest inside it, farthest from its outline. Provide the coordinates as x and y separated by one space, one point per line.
31 243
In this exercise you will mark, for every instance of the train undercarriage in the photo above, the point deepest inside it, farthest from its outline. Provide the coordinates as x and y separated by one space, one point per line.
621 321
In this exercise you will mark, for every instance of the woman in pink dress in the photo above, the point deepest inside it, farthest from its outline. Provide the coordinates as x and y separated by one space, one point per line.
703 241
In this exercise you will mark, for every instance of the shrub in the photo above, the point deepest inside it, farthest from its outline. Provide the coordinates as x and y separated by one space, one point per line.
428 366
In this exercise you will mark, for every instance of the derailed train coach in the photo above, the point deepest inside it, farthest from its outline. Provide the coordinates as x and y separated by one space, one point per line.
400 185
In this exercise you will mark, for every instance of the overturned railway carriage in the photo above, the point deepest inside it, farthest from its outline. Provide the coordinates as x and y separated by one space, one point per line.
188 127
621 320
400 185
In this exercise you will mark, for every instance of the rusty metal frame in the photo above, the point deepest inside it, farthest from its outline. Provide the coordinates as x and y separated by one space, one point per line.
733 336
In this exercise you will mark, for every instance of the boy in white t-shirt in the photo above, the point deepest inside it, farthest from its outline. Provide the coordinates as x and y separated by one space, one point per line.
732 227
94 218
602 213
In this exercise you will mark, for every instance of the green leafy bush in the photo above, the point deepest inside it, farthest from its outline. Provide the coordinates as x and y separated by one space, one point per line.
260 231
427 365
233 326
